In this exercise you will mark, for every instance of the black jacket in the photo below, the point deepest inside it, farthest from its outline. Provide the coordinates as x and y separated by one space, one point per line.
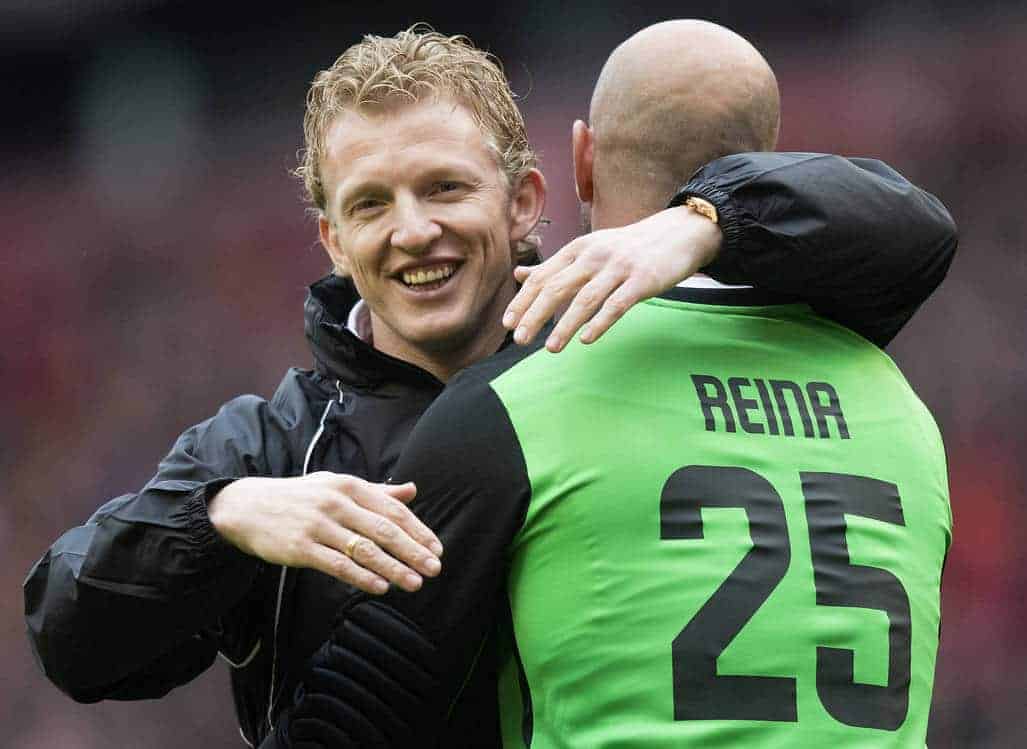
144 596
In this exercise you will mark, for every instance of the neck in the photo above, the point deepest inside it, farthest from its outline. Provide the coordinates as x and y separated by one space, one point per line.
445 363
445 357
612 215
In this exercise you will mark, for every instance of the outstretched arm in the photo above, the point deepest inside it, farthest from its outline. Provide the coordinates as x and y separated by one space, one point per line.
852 237
131 604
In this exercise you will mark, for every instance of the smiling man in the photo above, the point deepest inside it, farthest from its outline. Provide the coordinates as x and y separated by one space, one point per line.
258 524
417 214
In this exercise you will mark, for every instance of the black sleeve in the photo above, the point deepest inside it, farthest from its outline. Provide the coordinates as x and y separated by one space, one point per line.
120 607
852 237
395 666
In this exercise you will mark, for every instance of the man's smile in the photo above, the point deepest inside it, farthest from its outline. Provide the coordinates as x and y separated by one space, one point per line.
427 278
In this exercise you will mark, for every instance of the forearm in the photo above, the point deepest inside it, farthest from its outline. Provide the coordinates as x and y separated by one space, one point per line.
855 239
114 608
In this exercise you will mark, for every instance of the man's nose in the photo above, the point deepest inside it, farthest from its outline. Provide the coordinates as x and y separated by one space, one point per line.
415 228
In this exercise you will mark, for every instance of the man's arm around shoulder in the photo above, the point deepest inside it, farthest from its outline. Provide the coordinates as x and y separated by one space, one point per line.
853 237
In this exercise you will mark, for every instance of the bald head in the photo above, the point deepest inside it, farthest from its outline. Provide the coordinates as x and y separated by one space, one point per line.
671 98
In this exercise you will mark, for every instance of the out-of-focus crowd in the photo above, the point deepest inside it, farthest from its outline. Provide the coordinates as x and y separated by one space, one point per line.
155 265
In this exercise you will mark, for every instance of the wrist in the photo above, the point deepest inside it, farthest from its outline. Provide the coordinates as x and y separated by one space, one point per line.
208 538
219 510
706 238
703 207
731 219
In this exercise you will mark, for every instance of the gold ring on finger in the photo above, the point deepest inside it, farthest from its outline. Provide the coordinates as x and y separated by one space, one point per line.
351 545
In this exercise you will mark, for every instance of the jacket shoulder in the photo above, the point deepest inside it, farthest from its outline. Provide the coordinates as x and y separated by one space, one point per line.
300 394
251 435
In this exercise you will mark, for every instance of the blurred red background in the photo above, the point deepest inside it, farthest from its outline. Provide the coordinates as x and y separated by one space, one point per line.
155 253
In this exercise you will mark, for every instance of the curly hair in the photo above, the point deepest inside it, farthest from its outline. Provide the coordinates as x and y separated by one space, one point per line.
417 63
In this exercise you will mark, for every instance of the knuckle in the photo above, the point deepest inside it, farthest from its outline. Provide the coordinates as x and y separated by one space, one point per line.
326 503
308 529
544 294
556 292
597 255
363 551
621 264
395 511
532 283
616 306
542 302
366 581
339 568
532 319
564 287
385 529
587 297
346 483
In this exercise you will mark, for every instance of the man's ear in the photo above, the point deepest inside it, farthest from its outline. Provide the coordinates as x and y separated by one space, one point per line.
330 241
582 141
528 199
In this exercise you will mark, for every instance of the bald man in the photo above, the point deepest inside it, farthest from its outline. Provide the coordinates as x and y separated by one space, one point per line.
722 526
719 97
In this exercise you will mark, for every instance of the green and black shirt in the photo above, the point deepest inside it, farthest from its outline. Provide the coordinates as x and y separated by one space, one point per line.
722 525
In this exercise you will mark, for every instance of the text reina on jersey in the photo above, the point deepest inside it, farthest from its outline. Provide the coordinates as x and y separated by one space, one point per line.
817 401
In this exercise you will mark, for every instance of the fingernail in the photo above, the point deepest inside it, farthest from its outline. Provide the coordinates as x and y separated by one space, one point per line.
412 581
553 343
433 565
521 335
436 548
380 586
508 319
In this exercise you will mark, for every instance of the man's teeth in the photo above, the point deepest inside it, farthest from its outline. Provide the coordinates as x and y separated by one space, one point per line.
413 278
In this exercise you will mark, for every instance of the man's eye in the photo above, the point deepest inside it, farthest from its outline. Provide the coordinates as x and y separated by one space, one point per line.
363 206
441 187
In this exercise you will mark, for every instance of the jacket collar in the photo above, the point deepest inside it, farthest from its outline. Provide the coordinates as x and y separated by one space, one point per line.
339 353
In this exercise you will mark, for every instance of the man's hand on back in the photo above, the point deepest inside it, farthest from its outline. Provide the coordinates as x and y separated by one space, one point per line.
607 272
357 531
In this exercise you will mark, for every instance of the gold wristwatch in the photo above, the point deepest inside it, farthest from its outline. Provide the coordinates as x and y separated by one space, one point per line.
702 207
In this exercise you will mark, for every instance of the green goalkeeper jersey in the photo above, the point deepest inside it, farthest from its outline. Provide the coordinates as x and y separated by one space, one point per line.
723 525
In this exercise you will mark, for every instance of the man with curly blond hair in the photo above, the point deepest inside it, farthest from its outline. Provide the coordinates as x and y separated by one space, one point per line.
467 146
414 65
265 519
